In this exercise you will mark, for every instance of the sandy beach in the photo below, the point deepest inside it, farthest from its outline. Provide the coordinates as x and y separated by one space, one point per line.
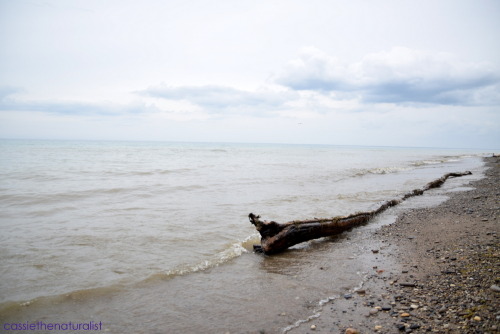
446 278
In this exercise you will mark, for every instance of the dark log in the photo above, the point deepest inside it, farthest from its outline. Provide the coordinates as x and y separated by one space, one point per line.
277 237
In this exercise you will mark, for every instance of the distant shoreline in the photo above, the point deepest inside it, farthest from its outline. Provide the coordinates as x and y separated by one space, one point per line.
477 150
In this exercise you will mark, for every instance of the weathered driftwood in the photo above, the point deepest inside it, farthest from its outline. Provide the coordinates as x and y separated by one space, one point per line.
277 237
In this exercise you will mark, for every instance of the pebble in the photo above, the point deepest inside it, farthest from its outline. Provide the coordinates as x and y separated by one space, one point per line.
348 296
405 315
477 318
373 311
378 327
495 288
313 327
400 327
351 331
406 284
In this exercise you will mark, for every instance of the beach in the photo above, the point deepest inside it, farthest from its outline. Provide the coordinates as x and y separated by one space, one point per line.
438 271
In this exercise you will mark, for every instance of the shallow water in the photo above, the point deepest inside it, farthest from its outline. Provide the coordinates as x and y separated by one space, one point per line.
155 237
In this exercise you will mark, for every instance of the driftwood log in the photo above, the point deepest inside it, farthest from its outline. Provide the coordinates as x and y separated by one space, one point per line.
277 237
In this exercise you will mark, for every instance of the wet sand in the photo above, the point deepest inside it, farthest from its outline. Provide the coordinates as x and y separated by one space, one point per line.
438 271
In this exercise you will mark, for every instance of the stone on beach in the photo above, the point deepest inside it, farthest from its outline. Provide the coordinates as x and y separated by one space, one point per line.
495 288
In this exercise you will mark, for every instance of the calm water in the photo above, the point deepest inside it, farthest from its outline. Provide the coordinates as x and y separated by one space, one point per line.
139 233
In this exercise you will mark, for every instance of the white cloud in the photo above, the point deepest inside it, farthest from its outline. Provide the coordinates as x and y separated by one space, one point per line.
400 75
222 99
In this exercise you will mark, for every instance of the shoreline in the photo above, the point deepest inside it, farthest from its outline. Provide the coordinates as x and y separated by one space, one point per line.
447 275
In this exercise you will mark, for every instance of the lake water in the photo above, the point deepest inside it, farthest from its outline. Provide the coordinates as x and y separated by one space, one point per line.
154 237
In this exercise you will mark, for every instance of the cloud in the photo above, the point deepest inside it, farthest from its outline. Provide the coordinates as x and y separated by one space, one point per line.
400 75
181 103
6 91
213 98
63 107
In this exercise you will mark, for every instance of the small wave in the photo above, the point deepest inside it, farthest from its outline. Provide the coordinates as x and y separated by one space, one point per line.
412 165
380 170
163 171
233 250
364 196
32 198
428 162
51 211
14 307
148 172
440 160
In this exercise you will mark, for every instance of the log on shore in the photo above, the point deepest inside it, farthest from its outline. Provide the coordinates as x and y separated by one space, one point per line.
276 237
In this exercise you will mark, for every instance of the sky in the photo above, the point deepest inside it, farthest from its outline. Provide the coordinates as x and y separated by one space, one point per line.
375 73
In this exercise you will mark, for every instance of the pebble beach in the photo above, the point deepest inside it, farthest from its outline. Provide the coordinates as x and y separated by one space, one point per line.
438 271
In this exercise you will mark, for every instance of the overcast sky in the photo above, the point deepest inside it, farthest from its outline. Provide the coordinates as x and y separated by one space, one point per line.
357 72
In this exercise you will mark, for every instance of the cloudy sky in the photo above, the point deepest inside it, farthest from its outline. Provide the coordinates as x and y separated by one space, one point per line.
357 72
